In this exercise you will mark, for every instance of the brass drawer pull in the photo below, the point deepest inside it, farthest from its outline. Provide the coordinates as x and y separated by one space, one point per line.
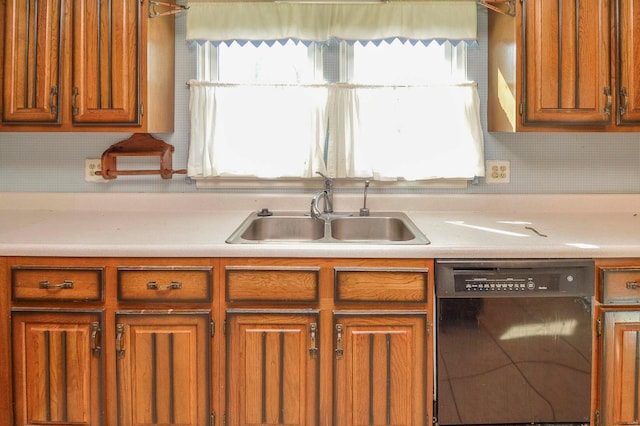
175 285
47 286
632 285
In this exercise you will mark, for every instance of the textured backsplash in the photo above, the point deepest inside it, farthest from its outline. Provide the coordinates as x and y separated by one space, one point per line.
540 162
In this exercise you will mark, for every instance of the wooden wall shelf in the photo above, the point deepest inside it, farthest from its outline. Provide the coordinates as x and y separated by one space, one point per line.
139 145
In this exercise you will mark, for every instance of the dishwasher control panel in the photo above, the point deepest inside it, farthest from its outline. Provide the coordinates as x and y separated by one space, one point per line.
514 278
509 283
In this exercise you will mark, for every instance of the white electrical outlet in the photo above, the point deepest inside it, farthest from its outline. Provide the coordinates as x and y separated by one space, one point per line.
91 166
498 171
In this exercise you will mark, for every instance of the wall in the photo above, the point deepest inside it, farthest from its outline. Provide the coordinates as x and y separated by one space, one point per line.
540 162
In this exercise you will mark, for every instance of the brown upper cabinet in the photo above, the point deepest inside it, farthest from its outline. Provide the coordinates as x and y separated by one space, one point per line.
86 66
565 65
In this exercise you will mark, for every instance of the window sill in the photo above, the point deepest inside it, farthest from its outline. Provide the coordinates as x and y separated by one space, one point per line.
311 184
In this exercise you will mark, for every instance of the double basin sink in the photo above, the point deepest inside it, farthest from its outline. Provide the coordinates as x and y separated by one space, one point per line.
297 227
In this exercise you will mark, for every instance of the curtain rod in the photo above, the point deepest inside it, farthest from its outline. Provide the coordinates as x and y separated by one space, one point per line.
492 5
173 8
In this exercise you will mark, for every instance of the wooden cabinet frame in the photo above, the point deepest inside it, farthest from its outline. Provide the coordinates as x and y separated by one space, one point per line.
573 71
58 372
390 299
74 65
617 381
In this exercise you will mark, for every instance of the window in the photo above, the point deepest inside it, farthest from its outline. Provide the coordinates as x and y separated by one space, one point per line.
293 109
332 62
359 96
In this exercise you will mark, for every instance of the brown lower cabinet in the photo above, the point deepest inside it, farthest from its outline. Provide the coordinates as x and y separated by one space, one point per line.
273 373
380 373
163 368
195 341
619 331
328 341
58 368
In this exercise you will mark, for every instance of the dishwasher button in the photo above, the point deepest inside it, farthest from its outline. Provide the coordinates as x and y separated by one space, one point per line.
531 285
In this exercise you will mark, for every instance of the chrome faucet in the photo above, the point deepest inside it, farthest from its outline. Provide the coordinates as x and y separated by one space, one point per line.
328 189
327 195
364 210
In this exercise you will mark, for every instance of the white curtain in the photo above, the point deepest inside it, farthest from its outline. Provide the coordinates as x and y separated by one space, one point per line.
261 131
452 20
415 133
387 132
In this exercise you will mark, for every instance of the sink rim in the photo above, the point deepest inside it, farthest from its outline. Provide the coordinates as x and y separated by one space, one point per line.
418 237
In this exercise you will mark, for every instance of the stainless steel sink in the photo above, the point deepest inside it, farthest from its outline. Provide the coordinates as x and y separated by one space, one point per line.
296 227
372 228
283 228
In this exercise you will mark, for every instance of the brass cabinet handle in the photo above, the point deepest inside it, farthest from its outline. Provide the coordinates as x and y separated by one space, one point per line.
607 107
624 99
175 285
339 348
120 339
95 346
313 349
53 95
48 286
74 103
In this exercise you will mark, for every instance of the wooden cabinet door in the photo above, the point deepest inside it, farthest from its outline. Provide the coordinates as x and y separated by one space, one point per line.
32 61
380 372
163 368
272 368
57 368
105 57
566 62
620 368
628 61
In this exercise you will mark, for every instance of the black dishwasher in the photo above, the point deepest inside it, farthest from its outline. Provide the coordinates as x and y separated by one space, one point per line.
514 342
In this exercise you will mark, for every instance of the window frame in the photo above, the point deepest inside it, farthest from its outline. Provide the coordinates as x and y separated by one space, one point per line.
207 69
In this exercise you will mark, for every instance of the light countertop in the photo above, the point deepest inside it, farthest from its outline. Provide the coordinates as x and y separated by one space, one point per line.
197 225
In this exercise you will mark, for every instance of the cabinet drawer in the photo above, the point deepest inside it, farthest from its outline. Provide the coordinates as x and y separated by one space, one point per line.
31 283
272 284
620 285
165 284
381 284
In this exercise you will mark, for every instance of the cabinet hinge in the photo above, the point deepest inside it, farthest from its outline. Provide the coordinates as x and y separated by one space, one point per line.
599 327
597 418
141 109
224 328
521 109
212 419
212 327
